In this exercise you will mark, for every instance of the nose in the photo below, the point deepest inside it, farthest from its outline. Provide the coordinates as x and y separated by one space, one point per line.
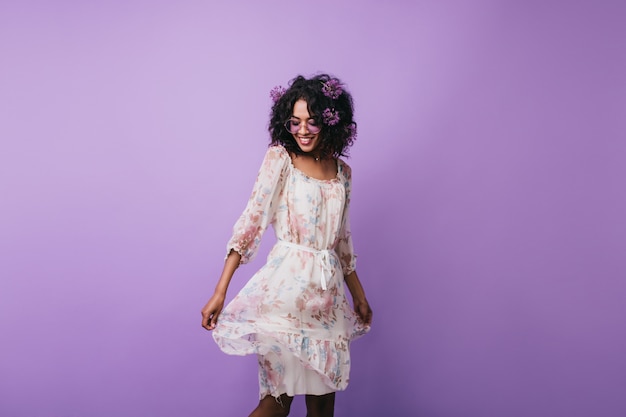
303 128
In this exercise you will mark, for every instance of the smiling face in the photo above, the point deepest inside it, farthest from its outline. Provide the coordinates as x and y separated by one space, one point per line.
307 140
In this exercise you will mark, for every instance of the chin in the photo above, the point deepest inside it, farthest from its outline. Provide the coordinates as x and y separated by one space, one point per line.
307 149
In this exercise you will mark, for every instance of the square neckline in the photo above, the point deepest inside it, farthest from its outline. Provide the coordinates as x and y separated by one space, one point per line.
303 174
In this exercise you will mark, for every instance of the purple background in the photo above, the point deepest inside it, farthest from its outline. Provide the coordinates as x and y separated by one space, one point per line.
488 210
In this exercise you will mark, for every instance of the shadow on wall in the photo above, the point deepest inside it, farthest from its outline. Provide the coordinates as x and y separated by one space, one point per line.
384 366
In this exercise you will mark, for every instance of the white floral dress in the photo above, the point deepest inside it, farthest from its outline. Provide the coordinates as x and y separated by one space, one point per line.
293 313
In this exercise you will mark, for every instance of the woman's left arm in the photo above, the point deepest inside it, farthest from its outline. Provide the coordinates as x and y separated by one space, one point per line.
361 305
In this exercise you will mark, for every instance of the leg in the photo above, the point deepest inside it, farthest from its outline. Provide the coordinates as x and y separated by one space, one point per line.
272 407
320 405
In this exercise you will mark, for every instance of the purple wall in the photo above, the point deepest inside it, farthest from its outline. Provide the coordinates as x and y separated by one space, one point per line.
488 211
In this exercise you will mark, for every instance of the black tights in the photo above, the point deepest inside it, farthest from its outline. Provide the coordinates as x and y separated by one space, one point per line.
316 406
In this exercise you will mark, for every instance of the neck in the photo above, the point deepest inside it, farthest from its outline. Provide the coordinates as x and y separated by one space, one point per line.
315 157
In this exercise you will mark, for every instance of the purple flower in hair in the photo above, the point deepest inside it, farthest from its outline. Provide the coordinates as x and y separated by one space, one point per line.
332 88
277 92
330 117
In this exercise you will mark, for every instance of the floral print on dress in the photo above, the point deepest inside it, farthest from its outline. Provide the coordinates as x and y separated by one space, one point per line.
283 314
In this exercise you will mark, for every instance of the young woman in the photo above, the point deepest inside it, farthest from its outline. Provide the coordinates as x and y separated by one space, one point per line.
293 313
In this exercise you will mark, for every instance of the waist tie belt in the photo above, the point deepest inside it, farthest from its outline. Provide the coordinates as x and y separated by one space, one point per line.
322 257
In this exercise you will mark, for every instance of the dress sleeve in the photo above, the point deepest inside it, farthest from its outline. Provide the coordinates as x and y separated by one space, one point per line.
344 247
261 207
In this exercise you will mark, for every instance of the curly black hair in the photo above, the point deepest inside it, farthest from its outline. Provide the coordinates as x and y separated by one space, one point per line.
334 139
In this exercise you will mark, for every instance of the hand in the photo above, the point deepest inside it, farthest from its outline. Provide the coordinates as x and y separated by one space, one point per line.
363 310
211 311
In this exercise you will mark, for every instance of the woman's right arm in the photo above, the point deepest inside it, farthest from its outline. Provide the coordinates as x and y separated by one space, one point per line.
214 306
250 227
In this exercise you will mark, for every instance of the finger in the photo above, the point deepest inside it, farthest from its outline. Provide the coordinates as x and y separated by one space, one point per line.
360 315
365 314
206 320
213 321
206 324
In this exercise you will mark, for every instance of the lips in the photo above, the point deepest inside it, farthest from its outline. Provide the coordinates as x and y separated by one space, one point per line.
305 141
